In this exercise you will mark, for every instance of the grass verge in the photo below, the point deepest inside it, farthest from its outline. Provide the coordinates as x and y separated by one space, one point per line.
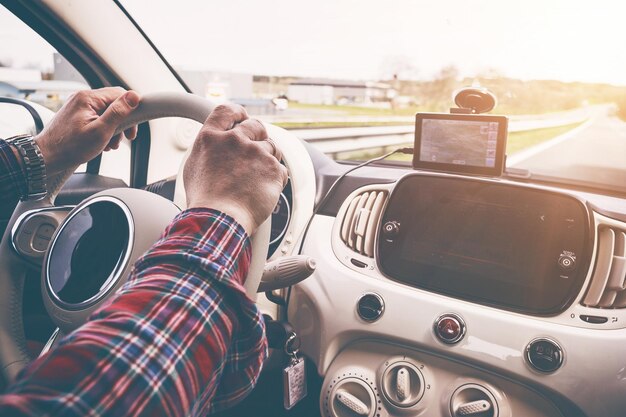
322 125
517 141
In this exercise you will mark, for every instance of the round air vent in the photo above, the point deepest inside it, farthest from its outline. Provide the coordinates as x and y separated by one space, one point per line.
370 307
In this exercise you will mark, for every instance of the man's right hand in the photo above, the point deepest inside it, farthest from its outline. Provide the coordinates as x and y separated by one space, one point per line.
234 169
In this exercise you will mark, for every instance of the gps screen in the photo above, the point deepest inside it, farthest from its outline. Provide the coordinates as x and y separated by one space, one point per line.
460 143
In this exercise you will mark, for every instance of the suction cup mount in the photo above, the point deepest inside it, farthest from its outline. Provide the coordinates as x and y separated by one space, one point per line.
474 100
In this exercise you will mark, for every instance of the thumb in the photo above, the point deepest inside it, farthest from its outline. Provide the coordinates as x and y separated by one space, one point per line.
117 112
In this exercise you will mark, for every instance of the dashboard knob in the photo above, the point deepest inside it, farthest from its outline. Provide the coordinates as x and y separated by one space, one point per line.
352 403
473 400
391 229
403 384
567 262
352 397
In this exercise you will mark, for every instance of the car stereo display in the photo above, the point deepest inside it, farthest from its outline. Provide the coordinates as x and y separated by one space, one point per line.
514 247
460 143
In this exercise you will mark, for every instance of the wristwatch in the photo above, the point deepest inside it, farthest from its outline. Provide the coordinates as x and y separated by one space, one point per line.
35 167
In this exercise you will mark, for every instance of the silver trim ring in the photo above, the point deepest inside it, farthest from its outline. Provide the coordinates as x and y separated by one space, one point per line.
534 367
382 306
116 273
282 233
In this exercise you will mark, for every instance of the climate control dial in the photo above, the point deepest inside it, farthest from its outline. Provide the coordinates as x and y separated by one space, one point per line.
403 384
352 397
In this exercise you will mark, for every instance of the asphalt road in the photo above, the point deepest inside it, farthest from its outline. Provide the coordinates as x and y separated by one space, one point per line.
594 151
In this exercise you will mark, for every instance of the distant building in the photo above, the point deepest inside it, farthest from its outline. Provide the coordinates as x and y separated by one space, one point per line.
218 86
19 74
29 84
51 94
327 91
226 86
64 71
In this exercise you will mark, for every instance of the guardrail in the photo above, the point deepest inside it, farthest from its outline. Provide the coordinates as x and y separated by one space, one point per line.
333 141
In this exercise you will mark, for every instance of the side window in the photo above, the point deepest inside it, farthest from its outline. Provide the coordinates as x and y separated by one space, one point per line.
31 69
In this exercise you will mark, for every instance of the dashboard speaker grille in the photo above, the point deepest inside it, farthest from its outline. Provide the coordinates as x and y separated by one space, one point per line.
608 288
360 221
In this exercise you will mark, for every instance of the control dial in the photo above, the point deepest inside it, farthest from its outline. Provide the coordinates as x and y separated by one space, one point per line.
391 229
567 262
403 384
352 397
473 400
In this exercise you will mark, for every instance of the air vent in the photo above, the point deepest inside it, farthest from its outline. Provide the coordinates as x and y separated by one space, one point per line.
361 220
607 288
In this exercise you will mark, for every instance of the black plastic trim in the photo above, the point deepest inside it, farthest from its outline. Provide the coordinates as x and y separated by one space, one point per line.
385 249
82 185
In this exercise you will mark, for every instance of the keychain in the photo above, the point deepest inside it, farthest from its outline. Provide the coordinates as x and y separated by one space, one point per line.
294 375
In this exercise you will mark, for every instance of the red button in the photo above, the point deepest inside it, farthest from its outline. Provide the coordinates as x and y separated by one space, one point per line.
449 329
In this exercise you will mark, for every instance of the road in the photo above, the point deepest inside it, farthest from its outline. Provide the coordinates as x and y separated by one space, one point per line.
594 151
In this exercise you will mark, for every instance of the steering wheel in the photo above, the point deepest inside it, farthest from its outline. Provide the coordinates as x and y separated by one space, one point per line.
147 212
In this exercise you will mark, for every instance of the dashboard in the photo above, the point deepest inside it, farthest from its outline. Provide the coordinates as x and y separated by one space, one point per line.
447 295
442 294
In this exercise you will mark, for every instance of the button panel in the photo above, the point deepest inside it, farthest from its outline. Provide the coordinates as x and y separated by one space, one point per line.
32 236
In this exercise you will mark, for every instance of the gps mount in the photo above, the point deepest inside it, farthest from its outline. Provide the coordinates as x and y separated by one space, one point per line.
473 100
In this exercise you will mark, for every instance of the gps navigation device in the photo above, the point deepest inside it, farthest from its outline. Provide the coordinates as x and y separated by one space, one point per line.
460 143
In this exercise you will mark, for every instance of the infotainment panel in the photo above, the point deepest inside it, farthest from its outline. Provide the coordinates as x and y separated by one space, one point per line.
500 244
460 143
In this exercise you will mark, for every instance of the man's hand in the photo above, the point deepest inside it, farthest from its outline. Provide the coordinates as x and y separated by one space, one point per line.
84 127
233 168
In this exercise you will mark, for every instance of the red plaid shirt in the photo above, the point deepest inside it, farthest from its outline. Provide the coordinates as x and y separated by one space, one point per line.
180 338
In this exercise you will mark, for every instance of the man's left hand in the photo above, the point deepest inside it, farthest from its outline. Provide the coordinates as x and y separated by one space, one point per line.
84 127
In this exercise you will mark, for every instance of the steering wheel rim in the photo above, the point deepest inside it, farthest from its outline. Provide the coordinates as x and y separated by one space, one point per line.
13 268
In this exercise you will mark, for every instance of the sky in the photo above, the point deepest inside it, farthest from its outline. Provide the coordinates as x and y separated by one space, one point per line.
569 40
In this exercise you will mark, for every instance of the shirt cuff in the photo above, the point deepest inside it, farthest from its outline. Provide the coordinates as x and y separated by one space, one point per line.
208 240
14 176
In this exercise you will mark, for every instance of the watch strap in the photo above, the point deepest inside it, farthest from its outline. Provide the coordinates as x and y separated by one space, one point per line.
36 177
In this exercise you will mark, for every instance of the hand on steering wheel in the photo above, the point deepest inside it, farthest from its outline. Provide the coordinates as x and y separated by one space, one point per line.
85 126
234 169
246 177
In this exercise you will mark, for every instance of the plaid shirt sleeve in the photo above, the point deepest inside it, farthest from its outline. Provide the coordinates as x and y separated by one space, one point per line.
180 338
12 182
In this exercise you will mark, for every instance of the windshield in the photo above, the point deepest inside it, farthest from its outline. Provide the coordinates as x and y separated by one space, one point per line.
350 75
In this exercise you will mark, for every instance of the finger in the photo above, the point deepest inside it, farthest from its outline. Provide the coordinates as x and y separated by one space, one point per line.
253 129
131 133
226 116
116 113
108 93
284 172
114 143
270 147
